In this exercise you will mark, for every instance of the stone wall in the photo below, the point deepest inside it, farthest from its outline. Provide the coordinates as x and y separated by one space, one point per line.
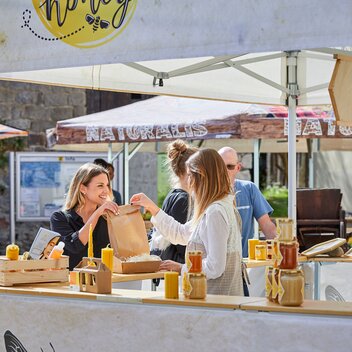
36 108
33 108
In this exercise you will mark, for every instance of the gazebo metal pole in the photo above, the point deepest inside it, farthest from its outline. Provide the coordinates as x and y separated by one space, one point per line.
314 148
256 156
12 197
127 156
110 153
126 184
292 117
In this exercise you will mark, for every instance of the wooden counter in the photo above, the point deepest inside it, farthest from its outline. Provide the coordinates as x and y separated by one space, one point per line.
251 263
211 301
308 307
137 277
327 259
64 291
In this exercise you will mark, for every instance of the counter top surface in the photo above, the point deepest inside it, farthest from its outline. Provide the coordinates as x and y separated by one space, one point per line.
211 301
136 277
301 259
308 307
156 297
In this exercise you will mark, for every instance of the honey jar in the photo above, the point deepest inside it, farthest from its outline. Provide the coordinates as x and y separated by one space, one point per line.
285 229
291 288
195 260
260 252
198 283
289 253
251 247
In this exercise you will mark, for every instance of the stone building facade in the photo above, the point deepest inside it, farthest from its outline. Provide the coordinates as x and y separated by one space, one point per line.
36 108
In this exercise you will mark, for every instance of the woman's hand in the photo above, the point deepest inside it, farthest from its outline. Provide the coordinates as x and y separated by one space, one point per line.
142 200
108 206
170 265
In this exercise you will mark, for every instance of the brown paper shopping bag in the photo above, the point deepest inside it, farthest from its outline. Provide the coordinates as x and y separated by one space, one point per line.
127 233
128 238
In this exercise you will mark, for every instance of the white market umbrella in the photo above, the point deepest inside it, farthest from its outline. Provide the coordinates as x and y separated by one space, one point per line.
196 51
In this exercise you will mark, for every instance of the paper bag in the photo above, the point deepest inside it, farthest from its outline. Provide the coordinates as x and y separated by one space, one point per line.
127 233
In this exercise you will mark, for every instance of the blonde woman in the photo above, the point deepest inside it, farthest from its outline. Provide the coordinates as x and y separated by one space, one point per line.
88 198
176 202
214 228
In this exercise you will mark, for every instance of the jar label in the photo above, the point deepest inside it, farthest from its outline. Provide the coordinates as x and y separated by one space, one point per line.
188 261
279 255
268 286
274 284
280 289
186 285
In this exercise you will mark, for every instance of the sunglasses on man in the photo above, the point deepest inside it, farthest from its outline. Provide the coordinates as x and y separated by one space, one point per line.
231 166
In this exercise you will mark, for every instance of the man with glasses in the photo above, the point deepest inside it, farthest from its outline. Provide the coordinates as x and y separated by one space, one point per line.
249 200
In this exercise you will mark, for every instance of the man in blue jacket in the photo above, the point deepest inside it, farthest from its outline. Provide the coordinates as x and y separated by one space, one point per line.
249 201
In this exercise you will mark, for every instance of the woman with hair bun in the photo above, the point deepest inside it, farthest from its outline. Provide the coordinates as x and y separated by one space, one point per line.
176 203
214 228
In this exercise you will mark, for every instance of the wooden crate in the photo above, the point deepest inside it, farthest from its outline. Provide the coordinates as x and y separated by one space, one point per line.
14 272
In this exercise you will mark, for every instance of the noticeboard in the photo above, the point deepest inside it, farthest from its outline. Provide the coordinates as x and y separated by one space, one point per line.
43 179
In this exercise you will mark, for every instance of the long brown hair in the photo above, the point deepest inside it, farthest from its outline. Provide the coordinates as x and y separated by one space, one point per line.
209 180
83 176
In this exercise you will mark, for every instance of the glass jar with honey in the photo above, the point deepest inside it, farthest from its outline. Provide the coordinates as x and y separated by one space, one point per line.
285 229
291 288
195 261
289 253
198 283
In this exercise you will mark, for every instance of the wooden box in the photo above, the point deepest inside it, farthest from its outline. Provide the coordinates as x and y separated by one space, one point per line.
14 272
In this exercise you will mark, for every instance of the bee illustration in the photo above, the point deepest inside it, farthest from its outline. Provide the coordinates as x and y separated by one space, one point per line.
97 22
13 344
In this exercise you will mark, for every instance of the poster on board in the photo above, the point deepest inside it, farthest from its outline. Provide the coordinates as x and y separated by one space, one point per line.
43 179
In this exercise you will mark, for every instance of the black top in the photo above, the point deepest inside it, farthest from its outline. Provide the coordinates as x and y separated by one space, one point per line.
67 224
117 197
176 205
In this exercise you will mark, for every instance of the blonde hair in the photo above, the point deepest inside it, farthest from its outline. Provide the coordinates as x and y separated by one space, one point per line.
83 176
178 153
209 180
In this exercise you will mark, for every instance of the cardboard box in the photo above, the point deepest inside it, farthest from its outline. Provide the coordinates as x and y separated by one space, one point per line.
94 279
123 267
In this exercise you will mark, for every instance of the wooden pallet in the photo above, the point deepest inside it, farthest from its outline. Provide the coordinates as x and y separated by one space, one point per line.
14 272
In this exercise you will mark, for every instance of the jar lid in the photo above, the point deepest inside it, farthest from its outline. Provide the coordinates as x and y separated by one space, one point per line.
194 252
288 243
291 271
196 274
289 220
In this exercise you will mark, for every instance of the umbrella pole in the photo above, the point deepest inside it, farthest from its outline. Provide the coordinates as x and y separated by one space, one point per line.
292 117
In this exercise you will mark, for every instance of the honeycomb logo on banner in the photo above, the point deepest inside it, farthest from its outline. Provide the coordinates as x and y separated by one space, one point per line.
81 23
